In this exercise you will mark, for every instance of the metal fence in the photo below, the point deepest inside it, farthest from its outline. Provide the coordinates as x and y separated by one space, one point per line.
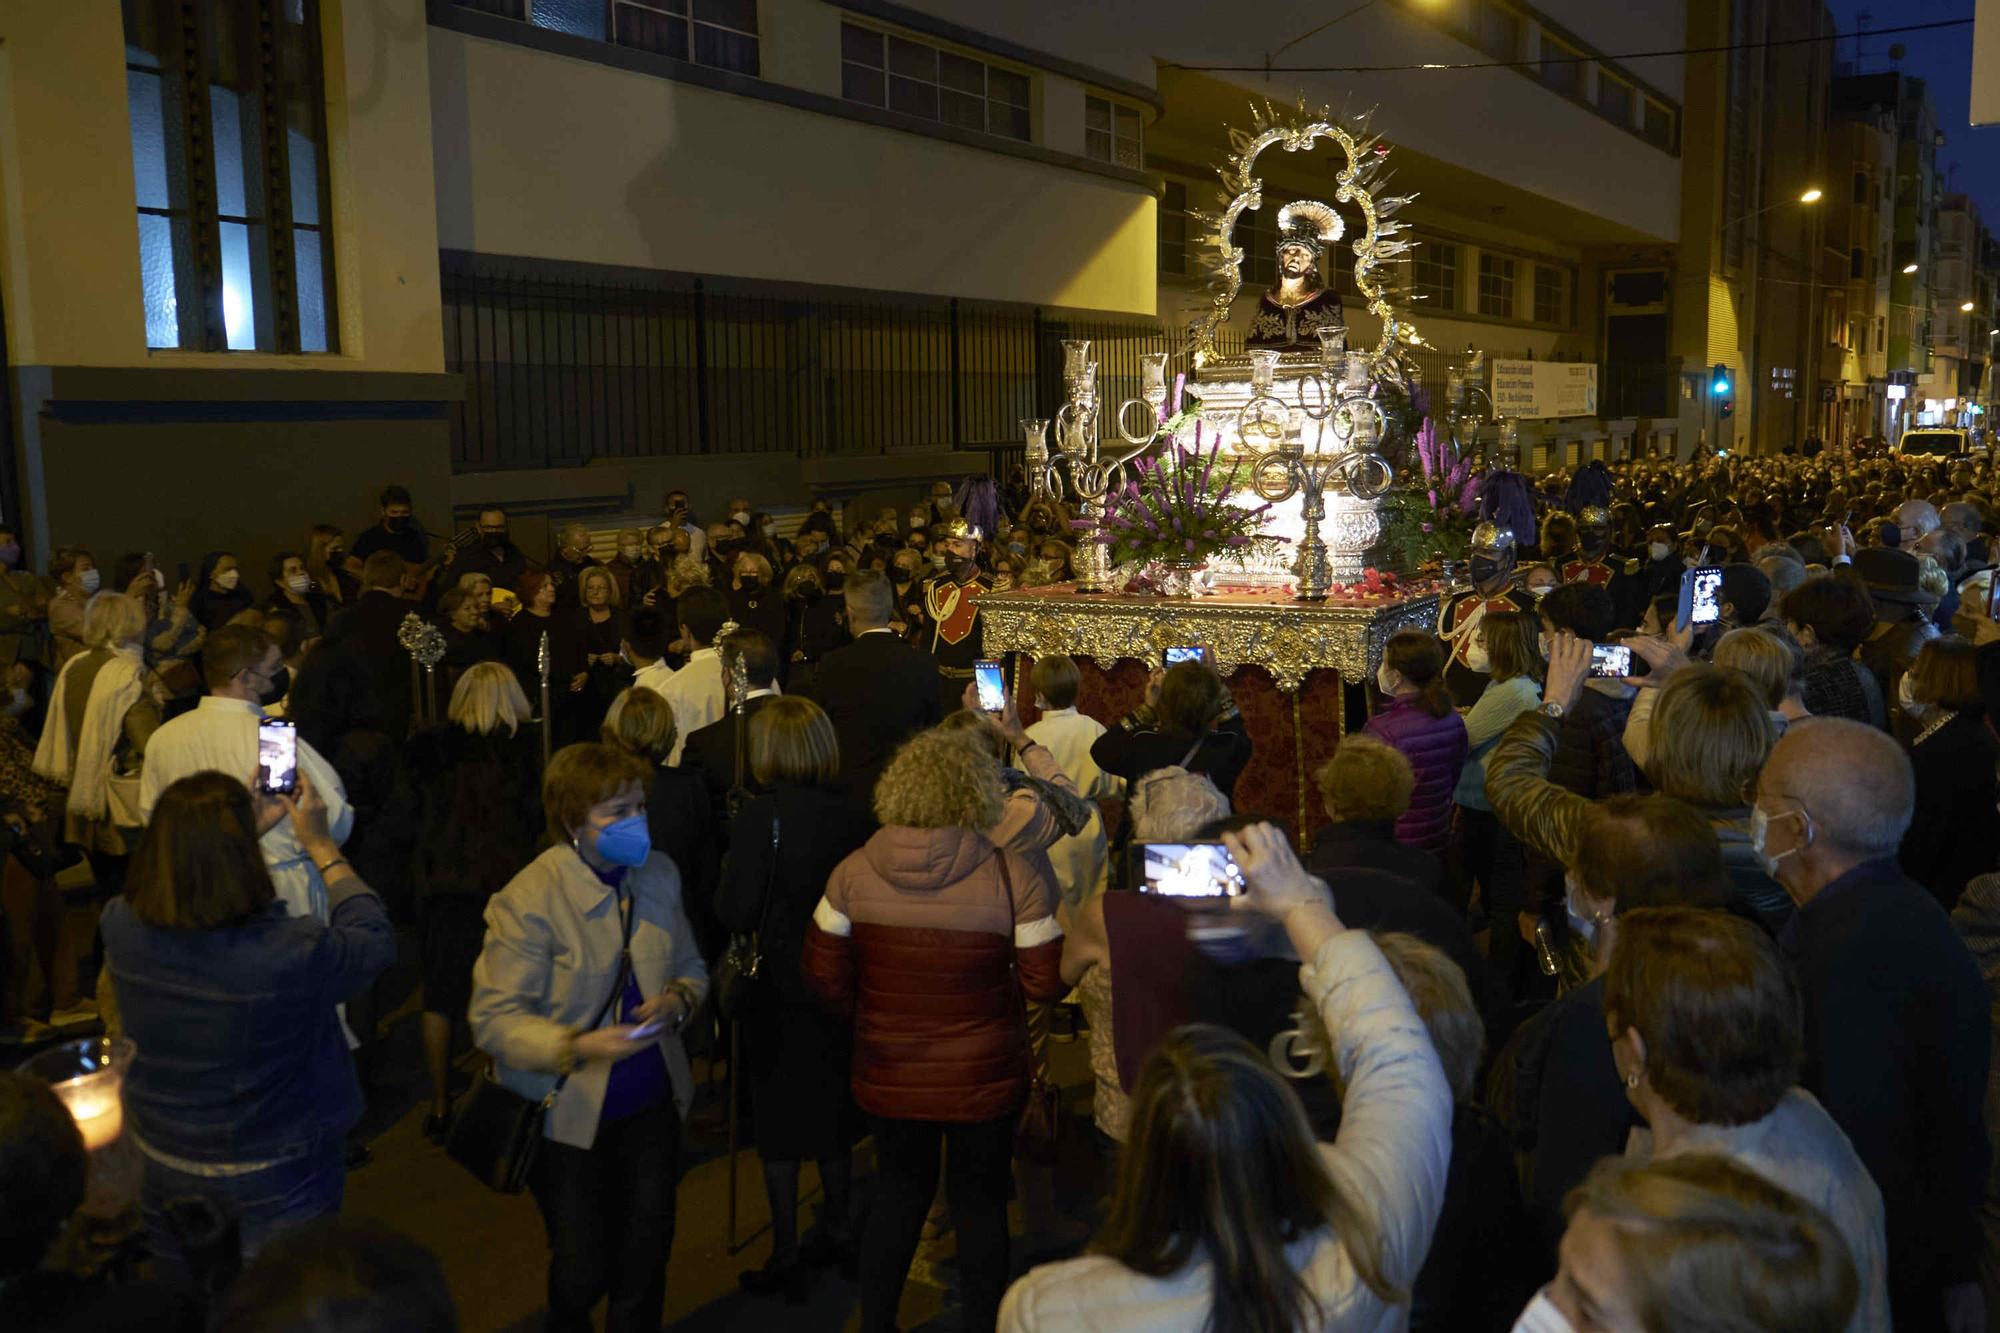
563 364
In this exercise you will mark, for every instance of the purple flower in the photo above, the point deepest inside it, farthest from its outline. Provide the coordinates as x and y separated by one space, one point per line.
1190 546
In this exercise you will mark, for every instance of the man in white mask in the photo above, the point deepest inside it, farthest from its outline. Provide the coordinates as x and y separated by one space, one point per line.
1896 1014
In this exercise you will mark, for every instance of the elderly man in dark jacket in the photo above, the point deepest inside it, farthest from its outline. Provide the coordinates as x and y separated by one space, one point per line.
1897 1029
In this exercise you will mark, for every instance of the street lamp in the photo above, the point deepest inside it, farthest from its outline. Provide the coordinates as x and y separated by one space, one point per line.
1909 268
1967 307
1811 196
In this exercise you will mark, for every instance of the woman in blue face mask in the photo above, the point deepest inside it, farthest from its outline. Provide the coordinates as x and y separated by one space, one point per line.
588 971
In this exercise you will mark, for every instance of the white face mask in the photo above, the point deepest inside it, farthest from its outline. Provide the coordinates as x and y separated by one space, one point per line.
1582 917
742 517
90 580
630 553
160 578
1760 827
228 579
1478 658
1659 550
1387 680
1542 1316
298 583
1914 708
1544 642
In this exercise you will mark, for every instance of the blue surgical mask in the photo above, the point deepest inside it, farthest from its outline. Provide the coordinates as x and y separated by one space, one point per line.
627 842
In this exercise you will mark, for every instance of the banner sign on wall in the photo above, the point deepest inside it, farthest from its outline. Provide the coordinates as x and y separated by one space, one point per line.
1526 390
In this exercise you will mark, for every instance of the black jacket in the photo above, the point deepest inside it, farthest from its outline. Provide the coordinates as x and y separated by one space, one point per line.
878 692
1368 899
711 752
504 566
1897 1030
682 825
817 829
1371 844
368 630
1136 747
468 809
1949 840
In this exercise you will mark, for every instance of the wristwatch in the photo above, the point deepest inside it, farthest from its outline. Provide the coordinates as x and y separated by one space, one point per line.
1552 709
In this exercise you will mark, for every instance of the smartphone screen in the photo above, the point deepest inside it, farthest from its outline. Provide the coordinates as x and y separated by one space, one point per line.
1185 870
1993 595
1701 601
992 686
1610 661
277 757
1187 652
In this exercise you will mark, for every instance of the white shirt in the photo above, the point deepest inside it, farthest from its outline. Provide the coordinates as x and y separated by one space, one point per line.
1080 860
697 540
220 735
695 691
654 676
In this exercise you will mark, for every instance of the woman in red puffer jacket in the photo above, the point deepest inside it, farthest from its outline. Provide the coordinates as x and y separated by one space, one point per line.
1420 722
932 939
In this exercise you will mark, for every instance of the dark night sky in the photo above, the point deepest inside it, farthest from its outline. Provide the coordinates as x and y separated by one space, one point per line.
1943 59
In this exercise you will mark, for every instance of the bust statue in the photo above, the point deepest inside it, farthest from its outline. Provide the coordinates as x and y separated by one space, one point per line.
1291 314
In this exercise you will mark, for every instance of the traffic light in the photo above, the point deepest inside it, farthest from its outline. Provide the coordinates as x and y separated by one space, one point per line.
1721 393
1725 408
1718 382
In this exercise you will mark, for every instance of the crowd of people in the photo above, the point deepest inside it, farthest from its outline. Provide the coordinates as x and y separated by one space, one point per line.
1639 977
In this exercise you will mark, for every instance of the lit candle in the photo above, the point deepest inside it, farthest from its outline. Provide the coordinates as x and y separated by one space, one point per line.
93 1103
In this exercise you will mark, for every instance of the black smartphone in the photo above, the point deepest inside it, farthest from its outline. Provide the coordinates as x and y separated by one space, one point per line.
992 686
1701 599
1186 652
277 757
181 577
1610 661
1185 870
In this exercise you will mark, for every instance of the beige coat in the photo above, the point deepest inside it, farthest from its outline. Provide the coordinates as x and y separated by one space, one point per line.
551 958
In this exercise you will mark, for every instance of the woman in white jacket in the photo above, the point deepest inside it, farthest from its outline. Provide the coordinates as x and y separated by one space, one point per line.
1227 1214
588 971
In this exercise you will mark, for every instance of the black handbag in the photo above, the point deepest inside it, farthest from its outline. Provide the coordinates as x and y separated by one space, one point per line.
497 1131
742 965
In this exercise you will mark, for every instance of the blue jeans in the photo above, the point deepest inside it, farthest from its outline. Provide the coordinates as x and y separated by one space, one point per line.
263 1203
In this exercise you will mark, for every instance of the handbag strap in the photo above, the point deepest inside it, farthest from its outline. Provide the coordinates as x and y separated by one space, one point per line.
628 912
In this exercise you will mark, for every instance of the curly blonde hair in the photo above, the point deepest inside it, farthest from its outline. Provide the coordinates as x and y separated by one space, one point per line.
940 779
685 572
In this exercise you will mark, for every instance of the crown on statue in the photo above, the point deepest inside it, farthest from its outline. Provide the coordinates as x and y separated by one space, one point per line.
1310 223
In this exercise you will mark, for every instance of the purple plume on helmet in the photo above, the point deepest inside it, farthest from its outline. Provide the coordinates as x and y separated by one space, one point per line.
978 499
1506 499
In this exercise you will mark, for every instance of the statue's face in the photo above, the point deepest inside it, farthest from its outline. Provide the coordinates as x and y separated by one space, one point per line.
1295 261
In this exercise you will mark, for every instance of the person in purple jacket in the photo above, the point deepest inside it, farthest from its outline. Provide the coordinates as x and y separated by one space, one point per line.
1420 721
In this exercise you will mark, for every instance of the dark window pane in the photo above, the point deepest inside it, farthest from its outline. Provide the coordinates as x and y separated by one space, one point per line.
650 31
738 14
1128 123
917 99
860 84
1006 86
724 49
156 271
1130 154
966 112
142 33
863 46
579 18
149 139
1008 121
1498 31
1560 68
1097 144
912 61
506 9
1614 99
311 287
961 75
1096 114
1659 126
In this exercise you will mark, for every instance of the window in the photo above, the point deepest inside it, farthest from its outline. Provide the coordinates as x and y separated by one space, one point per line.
1658 125
1857 260
1111 132
229 173
921 80
1614 98
1173 244
1496 30
1562 68
1860 187
1496 285
721 34
1551 288
1881 334
1434 274
1257 238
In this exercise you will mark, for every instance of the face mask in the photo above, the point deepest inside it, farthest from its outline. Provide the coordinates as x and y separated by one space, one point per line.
742 518
19 702
626 842
90 580
334 553
496 541
298 583
835 580
1760 826
403 524
1581 918
1542 1316
280 686
1386 679
1658 550
751 582
160 579
228 579
10 554
631 553
1912 706
1018 548
1485 569
1478 658
767 528
937 559
1543 643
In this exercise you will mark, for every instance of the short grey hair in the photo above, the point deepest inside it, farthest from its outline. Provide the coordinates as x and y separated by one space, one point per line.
1173 805
869 597
1784 571
1854 780
1963 518
1916 516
